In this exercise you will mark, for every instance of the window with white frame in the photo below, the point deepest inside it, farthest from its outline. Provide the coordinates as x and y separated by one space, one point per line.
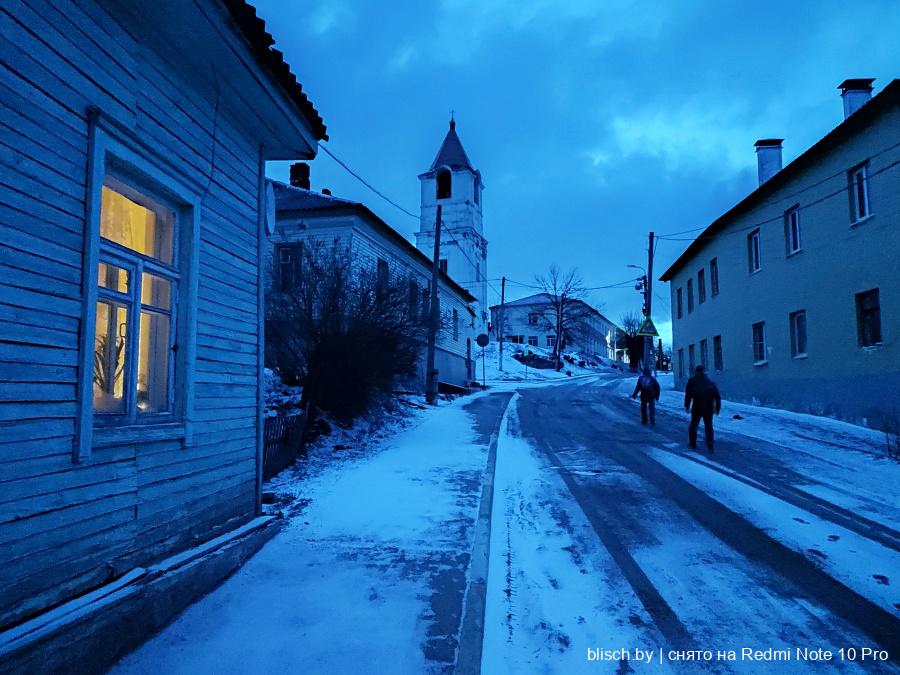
792 230
136 314
532 340
858 179
798 333
753 252
759 343
551 341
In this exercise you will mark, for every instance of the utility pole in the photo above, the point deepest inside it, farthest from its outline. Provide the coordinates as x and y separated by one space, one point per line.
649 361
430 372
500 319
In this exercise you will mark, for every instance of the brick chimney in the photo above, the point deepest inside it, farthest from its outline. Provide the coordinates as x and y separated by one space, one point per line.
856 93
300 175
768 158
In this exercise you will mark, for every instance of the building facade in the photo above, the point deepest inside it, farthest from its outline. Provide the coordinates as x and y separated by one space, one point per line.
530 320
130 293
792 298
304 217
456 186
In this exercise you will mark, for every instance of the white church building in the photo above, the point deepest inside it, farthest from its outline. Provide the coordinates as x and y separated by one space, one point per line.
453 183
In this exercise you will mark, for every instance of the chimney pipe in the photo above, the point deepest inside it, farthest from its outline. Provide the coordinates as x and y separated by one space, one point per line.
326 191
300 175
856 93
768 158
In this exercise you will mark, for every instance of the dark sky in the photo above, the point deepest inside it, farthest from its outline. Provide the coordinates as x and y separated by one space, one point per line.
593 122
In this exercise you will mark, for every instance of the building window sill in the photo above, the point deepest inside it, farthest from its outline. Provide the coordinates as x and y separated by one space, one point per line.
791 254
872 348
801 356
756 271
104 437
761 363
861 220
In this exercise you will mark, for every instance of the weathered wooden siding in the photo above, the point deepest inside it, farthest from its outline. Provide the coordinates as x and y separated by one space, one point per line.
66 527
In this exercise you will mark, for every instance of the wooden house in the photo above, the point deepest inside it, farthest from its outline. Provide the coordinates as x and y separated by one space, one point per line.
133 140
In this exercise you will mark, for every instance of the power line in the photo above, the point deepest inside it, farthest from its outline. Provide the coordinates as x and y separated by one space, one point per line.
367 184
842 190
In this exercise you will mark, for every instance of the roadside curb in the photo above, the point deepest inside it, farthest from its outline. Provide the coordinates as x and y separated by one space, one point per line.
471 635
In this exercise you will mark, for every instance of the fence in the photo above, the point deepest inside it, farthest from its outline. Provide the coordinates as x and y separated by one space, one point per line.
281 442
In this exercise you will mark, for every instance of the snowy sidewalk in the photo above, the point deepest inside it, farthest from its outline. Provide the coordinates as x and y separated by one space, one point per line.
369 577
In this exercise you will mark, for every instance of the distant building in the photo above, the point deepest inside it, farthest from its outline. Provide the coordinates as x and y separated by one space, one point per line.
528 321
792 297
135 136
452 182
303 216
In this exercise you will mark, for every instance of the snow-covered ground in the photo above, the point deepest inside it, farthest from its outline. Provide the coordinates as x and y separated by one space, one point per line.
354 582
553 590
515 371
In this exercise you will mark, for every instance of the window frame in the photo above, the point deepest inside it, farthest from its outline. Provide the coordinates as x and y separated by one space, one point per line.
679 303
113 152
792 222
860 325
764 351
718 354
795 334
690 295
853 186
681 362
532 340
295 248
714 277
754 251
701 286
704 353
692 358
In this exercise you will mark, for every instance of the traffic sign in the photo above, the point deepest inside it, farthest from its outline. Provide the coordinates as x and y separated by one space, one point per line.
648 329
482 340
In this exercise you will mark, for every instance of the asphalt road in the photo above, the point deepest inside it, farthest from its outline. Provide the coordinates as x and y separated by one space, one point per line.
706 576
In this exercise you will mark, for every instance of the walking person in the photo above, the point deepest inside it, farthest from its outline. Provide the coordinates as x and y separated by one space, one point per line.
648 388
704 394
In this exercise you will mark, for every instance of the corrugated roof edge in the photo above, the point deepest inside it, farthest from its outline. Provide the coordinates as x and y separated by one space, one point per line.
346 205
879 103
254 29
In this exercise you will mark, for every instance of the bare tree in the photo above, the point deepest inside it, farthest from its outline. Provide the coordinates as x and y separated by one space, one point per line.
630 322
566 313
344 330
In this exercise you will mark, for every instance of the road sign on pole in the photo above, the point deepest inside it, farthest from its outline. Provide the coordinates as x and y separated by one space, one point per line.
647 329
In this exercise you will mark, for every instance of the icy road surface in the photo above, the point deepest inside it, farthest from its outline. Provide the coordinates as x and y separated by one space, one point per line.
607 535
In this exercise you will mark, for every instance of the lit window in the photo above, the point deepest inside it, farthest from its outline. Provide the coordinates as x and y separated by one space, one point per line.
792 230
759 343
137 283
798 333
753 253
858 179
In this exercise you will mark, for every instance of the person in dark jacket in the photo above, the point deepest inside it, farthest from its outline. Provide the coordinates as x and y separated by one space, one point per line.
703 393
648 388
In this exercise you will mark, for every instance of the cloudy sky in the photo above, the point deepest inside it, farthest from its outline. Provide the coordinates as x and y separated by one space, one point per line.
592 121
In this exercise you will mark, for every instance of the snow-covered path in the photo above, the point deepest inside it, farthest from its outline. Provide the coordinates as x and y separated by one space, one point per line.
368 578
610 536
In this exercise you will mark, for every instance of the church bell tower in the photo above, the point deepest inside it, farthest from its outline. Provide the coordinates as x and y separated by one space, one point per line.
456 185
